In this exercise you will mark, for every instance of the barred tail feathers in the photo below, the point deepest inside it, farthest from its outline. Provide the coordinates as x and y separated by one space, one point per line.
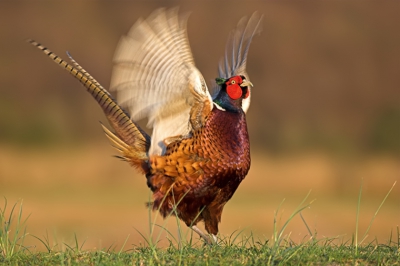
129 138
134 157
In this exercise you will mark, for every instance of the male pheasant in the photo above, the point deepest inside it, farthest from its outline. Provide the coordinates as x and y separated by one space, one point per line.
199 149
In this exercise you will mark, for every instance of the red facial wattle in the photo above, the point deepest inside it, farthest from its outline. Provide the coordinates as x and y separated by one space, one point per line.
233 89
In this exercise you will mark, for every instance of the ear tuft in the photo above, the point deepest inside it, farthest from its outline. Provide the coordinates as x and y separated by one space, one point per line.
220 81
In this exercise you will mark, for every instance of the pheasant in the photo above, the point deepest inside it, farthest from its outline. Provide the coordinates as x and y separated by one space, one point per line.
199 151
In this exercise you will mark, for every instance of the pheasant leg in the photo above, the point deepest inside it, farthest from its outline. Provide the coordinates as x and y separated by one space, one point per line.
209 240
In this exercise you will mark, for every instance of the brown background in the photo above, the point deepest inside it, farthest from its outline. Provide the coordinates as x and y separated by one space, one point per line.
325 116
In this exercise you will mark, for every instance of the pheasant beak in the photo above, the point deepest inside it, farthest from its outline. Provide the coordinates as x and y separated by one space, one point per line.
246 83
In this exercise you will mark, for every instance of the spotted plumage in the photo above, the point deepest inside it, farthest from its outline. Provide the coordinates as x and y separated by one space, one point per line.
202 171
199 151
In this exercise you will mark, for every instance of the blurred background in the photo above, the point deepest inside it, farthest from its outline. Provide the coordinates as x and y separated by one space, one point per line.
325 117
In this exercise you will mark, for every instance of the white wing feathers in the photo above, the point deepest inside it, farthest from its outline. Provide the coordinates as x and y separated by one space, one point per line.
155 77
237 47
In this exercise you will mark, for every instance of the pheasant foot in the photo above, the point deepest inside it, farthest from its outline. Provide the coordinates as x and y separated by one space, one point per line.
209 239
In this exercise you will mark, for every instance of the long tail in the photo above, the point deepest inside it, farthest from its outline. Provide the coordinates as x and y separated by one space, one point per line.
129 138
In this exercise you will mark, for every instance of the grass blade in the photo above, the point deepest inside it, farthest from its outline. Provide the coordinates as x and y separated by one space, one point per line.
11 242
376 213
357 217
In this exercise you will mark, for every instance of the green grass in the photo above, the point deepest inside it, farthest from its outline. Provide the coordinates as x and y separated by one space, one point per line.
237 249
249 252
12 232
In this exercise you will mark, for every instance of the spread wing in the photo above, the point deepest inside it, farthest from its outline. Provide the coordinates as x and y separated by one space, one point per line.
237 47
155 77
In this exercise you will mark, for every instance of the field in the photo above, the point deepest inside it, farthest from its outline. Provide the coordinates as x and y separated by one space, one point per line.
313 253
324 122
84 204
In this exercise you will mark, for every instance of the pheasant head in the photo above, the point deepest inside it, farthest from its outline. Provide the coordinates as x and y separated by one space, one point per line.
234 92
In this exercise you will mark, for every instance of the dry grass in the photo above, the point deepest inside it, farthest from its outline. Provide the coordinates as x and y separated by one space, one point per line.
85 191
